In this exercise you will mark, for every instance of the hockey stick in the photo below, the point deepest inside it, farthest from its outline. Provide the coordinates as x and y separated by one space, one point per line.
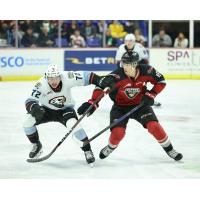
33 160
114 123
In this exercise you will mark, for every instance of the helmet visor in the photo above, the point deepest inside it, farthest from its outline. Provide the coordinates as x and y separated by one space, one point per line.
125 63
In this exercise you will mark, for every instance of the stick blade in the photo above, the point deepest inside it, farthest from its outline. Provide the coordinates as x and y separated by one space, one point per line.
34 160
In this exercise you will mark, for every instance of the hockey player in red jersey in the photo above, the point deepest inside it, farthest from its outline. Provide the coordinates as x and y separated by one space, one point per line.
129 46
128 85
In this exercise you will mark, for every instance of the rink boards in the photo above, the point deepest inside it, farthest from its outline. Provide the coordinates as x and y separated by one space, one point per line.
30 64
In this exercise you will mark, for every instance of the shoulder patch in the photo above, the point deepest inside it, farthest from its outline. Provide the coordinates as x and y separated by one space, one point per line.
158 74
38 85
70 75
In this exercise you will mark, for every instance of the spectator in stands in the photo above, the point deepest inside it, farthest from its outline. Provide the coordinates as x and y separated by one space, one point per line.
29 40
101 26
110 41
53 29
77 40
68 28
3 34
90 33
117 30
65 31
37 30
7 28
181 41
11 33
139 37
131 25
26 24
73 26
162 39
88 30
45 39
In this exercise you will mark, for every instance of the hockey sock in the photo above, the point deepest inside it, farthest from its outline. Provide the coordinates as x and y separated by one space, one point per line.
34 138
167 148
116 136
79 135
158 132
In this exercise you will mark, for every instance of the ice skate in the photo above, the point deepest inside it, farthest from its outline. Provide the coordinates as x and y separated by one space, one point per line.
36 150
89 156
175 155
106 151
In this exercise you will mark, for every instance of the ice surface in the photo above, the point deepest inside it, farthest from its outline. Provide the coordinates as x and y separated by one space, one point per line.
138 156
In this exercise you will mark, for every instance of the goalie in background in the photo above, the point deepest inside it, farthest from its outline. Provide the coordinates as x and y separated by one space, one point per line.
51 100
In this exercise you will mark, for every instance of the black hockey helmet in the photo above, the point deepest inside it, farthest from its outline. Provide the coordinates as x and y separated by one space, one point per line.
130 58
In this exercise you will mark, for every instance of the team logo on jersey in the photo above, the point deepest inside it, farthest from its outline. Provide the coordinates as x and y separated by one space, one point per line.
131 93
58 102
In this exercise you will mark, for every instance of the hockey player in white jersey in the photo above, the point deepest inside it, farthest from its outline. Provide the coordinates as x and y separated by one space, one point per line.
129 46
51 100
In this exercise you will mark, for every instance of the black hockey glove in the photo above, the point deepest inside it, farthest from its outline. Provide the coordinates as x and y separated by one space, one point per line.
107 81
37 111
148 98
83 108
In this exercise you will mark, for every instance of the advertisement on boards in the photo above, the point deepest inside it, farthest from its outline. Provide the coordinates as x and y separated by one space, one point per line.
176 61
28 62
90 60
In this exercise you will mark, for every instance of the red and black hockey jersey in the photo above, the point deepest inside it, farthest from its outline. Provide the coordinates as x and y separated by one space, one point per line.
129 91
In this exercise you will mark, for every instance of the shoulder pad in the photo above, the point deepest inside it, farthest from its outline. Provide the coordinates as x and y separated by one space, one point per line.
122 46
145 68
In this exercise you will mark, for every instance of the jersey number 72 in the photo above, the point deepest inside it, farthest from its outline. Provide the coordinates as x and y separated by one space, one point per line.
36 94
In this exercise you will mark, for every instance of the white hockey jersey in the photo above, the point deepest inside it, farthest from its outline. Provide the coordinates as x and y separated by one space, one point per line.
45 96
139 48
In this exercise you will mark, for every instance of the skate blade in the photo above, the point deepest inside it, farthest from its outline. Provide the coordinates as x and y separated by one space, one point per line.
91 165
157 105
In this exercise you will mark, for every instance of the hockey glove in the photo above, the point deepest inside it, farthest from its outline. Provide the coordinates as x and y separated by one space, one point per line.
148 98
37 111
83 108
